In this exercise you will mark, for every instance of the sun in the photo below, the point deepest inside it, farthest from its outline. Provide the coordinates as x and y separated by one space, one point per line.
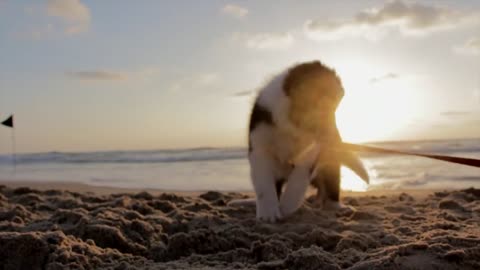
375 115
373 111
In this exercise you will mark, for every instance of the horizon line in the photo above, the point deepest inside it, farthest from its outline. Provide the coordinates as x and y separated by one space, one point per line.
220 147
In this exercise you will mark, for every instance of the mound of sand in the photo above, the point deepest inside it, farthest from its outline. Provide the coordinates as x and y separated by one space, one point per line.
55 229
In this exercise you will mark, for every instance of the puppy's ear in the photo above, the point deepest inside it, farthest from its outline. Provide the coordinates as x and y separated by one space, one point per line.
351 161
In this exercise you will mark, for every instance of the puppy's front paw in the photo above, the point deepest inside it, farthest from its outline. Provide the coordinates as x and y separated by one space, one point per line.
317 202
287 210
337 206
268 213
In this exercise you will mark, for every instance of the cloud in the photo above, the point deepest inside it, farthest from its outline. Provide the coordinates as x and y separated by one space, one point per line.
388 76
409 18
56 17
97 75
74 14
235 11
139 75
471 47
247 93
265 41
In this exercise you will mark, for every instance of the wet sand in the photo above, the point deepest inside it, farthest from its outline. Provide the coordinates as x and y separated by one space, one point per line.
51 226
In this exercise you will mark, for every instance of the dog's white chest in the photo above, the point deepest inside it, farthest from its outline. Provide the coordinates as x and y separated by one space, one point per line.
287 145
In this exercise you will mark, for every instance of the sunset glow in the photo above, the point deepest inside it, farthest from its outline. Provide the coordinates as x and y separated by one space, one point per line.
371 112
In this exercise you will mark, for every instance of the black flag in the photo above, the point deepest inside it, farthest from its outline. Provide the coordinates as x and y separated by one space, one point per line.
8 122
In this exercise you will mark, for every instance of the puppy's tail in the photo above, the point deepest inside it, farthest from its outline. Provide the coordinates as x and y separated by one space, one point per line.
351 161
242 202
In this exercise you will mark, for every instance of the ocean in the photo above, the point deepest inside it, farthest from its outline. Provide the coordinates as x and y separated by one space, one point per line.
227 168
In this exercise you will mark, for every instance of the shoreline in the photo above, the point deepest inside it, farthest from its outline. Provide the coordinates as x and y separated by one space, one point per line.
107 190
86 188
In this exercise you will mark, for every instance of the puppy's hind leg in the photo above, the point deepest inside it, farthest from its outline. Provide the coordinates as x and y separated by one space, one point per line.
331 174
262 169
332 181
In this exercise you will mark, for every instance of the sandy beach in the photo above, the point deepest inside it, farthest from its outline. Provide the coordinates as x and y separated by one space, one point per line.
55 226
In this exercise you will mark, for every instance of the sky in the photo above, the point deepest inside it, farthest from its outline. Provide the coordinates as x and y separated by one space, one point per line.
85 75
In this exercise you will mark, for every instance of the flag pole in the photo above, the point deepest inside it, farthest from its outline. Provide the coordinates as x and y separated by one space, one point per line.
14 151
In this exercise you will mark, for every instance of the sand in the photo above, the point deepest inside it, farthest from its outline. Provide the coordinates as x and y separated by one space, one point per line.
57 229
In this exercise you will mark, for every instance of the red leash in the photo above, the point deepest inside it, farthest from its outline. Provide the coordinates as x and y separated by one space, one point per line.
459 160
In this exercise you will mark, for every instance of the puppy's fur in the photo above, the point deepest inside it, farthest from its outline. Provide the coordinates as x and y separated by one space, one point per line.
293 141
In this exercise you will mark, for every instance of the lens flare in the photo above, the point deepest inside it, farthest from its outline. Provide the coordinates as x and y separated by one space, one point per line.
351 182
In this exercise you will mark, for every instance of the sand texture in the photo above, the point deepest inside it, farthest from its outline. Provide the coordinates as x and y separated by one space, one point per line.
53 229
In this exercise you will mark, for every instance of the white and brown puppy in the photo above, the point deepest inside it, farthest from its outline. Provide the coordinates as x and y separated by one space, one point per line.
293 141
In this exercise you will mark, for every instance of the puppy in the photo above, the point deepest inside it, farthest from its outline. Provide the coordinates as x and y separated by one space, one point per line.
294 141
